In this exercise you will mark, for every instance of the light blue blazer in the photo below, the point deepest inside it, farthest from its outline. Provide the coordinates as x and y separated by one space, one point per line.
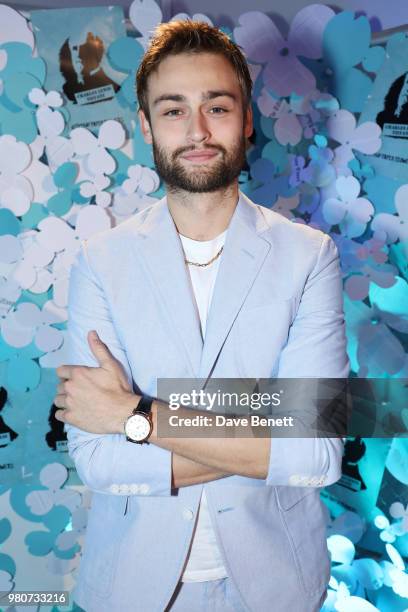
276 312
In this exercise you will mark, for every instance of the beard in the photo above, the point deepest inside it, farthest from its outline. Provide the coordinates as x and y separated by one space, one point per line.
219 174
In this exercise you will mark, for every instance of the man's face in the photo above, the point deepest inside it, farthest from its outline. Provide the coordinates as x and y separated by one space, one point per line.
198 129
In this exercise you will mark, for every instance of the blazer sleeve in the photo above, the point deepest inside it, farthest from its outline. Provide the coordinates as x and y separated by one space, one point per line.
106 463
316 348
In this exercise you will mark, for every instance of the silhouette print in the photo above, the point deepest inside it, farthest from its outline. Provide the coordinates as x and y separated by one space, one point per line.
56 433
395 103
80 65
7 434
354 450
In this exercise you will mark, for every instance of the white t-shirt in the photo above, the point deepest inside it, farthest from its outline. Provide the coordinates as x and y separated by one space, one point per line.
205 560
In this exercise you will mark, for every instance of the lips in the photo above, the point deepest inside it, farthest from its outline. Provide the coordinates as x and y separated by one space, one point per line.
200 155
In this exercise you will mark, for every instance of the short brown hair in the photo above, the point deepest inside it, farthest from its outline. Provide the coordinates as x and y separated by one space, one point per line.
189 36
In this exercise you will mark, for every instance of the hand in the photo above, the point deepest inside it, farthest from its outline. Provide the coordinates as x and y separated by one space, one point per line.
98 399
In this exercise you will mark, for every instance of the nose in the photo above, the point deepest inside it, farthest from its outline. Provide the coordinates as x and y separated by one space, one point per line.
198 130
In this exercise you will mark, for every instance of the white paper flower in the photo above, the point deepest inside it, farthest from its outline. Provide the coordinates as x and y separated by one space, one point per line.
68 538
397 573
29 323
30 271
399 511
10 292
51 99
53 477
141 179
51 124
11 249
16 192
14 27
58 236
145 16
111 136
96 188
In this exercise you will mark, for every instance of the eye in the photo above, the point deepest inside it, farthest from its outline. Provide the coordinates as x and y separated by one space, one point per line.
170 112
218 110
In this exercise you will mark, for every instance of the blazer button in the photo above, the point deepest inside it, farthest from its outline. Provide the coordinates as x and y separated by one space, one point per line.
188 514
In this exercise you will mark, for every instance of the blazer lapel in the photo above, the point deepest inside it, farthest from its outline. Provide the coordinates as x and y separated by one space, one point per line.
243 256
162 254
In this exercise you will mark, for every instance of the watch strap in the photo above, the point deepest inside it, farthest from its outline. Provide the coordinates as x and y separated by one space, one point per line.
144 405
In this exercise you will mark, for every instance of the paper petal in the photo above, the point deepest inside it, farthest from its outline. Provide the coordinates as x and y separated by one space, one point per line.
48 338
333 210
306 30
53 476
100 161
14 27
288 130
341 125
341 549
15 156
112 134
258 36
357 286
90 220
348 188
145 15
401 202
84 142
10 249
14 334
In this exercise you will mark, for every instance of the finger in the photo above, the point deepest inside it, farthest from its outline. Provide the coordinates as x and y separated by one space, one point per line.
101 351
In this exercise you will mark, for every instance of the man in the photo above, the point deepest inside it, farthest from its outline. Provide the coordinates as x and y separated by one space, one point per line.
203 284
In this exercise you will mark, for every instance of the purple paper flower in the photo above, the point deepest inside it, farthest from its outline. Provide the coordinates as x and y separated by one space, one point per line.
263 43
357 286
354 211
373 347
373 249
342 128
391 228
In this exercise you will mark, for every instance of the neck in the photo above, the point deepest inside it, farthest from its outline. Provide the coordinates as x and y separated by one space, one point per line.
202 216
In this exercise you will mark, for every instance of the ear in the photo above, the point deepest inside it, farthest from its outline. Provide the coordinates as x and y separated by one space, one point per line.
145 128
248 122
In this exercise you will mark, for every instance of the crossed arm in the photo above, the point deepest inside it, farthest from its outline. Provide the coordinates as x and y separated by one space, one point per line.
99 400
315 347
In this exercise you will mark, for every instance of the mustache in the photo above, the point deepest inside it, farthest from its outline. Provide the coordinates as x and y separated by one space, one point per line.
183 150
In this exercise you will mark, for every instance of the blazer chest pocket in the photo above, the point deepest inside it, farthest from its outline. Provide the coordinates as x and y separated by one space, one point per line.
261 333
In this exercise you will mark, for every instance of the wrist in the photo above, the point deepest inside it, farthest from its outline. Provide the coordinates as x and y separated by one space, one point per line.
128 404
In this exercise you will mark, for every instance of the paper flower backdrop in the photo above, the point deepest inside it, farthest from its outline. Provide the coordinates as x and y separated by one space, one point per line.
59 186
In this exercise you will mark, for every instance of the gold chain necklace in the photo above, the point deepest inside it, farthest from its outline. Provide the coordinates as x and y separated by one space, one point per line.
202 265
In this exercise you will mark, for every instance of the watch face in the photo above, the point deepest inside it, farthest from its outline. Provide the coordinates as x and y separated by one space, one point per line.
137 427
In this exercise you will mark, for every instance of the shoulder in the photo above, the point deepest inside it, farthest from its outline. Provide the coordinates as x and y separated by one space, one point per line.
292 236
116 241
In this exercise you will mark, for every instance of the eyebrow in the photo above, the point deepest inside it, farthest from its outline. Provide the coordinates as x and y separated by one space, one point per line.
208 95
